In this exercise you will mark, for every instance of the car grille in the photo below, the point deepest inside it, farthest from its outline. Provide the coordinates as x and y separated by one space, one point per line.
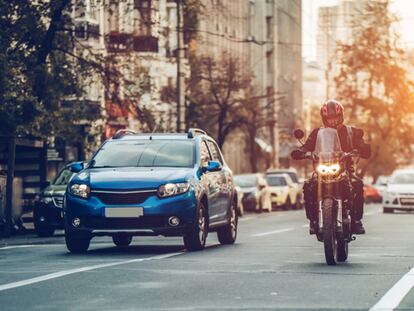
123 197
58 202
407 201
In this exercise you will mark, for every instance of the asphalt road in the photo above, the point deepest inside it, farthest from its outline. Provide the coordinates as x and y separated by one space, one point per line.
275 265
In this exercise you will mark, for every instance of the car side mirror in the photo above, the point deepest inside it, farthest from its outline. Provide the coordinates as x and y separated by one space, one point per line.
76 167
298 133
212 166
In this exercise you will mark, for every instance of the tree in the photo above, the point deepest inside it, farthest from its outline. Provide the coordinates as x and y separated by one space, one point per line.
374 86
217 88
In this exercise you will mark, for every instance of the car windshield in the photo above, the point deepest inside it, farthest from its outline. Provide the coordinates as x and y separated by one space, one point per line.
246 181
276 181
402 178
62 178
149 153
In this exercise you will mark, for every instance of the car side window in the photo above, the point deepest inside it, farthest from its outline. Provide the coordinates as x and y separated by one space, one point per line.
204 154
215 153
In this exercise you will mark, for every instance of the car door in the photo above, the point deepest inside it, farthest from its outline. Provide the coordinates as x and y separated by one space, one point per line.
209 180
223 179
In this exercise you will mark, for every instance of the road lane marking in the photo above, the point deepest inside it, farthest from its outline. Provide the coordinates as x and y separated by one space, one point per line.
396 294
246 219
79 270
27 246
273 232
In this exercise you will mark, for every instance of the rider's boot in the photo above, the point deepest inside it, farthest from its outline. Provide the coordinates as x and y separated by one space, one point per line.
358 227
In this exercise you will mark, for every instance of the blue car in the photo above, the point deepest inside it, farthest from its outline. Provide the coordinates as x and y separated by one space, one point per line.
148 185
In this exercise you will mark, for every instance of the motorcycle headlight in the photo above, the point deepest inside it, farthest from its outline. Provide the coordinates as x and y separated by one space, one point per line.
80 190
329 169
169 190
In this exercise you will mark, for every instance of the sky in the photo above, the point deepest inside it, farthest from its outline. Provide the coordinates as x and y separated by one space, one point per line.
403 8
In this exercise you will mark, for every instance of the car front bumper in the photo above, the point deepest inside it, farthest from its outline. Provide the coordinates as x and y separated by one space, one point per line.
49 214
154 221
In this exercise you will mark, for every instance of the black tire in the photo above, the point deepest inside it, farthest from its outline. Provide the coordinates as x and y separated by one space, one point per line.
387 210
228 234
328 232
298 204
288 204
342 251
77 243
122 240
42 228
260 209
196 239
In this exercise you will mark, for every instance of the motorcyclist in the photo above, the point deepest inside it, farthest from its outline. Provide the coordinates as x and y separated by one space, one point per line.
351 138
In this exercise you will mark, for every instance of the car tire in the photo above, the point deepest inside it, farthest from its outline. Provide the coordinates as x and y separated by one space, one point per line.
196 239
288 205
122 240
77 243
388 210
228 234
42 228
298 204
259 207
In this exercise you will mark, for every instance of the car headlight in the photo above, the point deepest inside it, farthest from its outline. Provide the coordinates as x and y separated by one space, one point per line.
80 190
329 169
46 200
169 190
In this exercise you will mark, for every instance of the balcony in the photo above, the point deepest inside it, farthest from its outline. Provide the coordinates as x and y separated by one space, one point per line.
127 42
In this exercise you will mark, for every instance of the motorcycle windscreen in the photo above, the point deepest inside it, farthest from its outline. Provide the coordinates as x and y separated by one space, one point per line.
328 146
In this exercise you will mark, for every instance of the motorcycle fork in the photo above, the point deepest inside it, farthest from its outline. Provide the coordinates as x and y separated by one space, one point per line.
339 215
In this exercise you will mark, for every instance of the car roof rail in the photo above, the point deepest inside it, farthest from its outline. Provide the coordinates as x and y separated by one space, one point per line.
194 131
122 132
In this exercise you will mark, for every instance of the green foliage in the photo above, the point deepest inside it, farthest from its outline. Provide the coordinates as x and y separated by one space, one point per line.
375 88
39 70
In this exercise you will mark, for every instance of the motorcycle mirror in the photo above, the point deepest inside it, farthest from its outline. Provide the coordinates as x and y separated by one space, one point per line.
298 133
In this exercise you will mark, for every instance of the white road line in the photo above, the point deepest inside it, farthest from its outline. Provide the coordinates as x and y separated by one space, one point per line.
396 294
30 245
305 226
246 219
79 270
273 232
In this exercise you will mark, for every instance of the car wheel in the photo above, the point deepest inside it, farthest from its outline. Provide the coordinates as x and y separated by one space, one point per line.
42 228
228 233
77 243
288 204
259 207
388 210
122 240
298 204
196 239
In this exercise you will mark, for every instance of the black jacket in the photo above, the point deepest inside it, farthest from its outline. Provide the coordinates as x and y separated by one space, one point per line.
358 143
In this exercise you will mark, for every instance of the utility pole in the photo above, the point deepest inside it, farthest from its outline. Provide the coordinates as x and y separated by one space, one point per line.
328 63
180 74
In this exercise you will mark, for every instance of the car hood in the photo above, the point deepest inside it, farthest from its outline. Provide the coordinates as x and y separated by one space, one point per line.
132 178
401 188
54 190
278 188
248 189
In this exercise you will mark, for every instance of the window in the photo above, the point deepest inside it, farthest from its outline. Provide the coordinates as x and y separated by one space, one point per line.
269 27
144 20
204 154
215 153
63 178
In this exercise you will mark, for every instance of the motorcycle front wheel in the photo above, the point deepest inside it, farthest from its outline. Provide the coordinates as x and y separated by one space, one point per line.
330 242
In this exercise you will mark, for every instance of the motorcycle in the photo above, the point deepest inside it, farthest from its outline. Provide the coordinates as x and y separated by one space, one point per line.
334 192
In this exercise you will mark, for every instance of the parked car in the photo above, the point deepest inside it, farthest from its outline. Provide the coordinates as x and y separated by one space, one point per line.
152 184
296 197
399 194
282 190
48 206
256 195
371 194
381 185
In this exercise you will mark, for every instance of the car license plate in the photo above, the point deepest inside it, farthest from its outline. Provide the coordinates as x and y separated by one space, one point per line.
124 212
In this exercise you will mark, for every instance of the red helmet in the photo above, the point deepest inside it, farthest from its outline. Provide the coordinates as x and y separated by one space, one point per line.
332 113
